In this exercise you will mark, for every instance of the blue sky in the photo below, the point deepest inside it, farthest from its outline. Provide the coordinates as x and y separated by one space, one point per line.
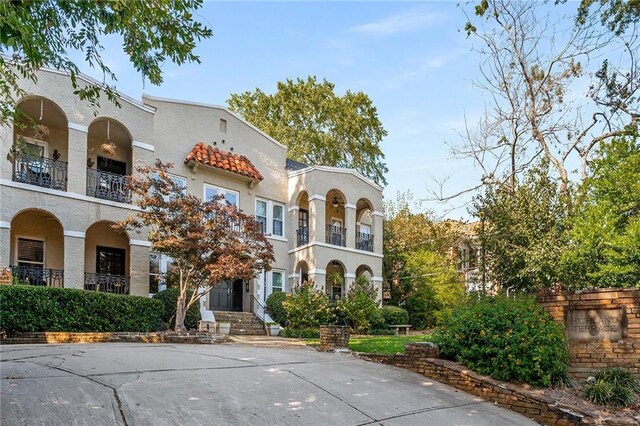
410 58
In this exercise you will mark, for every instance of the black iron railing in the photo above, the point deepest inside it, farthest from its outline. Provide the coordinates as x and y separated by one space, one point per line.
36 275
39 171
364 241
118 284
108 186
302 236
336 235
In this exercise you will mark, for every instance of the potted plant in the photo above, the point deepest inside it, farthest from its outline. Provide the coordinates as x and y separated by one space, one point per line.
273 328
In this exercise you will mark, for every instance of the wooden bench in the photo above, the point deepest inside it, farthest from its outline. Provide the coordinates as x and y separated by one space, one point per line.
400 328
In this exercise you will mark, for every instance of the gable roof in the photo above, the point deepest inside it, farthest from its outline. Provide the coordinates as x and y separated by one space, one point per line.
214 157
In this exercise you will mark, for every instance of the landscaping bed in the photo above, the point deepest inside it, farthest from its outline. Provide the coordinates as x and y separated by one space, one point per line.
377 344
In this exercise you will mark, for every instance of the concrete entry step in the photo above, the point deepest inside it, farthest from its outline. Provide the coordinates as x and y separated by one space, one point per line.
242 323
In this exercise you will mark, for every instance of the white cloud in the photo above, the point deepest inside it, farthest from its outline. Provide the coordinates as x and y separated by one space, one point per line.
399 23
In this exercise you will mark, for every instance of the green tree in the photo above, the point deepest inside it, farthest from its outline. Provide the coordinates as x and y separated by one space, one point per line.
37 34
317 125
523 231
604 241
436 288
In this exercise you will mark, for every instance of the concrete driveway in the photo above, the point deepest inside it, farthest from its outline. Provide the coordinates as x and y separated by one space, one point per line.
147 384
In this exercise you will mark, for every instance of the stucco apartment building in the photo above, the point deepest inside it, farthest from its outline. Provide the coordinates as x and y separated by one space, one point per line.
60 194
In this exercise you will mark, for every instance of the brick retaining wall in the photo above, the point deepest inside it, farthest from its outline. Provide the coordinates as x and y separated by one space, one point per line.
588 355
530 403
120 337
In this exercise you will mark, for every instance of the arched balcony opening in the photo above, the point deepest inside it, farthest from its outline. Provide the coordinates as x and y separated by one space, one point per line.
302 231
109 160
106 259
37 248
335 280
40 144
301 274
364 225
336 231
364 271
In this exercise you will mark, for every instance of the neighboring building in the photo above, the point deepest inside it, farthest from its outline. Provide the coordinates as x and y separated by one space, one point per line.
468 255
60 195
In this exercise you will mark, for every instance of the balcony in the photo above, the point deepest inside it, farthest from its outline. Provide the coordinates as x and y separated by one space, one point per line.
364 241
108 186
117 284
39 171
336 235
35 275
302 236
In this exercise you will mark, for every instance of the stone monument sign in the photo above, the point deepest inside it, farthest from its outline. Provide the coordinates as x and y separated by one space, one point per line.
595 324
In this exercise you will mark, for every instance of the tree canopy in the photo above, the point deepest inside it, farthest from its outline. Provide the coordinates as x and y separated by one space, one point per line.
37 34
317 125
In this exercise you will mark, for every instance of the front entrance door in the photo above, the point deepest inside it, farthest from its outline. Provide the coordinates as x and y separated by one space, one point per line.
110 261
226 297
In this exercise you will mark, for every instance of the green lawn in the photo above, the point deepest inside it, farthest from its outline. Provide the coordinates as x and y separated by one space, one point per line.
377 344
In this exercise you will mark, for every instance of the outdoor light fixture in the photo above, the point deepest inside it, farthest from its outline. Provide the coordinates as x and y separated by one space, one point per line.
336 203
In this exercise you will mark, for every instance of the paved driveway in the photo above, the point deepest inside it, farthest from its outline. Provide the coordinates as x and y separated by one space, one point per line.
147 384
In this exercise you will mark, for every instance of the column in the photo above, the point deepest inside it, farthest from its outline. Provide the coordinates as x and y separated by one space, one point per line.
292 226
5 244
317 218
6 138
77 159
377 218
350 224
349 279
139 251
74 259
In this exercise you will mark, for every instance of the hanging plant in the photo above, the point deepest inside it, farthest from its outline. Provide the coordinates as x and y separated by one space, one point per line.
108 148
42 132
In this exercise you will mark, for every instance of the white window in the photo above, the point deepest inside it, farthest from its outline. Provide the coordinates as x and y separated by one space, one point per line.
232 197
30 252
276 281
178 180
270 282
159 266
270 214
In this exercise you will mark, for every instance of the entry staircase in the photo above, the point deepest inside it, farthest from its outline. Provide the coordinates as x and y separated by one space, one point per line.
242 323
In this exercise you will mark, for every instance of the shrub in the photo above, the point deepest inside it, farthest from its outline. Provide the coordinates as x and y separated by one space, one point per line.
275 309
359 308
612 387
301 333
508 339
169 298
394 315
25 308
421 309
307 307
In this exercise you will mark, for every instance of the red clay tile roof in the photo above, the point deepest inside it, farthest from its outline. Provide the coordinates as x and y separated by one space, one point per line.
239 164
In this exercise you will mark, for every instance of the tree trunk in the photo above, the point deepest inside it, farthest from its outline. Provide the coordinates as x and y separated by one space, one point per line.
180 314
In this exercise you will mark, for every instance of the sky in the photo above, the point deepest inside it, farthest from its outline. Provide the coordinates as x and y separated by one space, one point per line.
412 59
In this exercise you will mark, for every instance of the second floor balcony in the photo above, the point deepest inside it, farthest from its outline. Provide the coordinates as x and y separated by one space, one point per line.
302 236
364 241
36 275
107 283
336 235
108 186
39 171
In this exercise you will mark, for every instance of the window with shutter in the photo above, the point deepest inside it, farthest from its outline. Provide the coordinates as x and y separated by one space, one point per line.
30 252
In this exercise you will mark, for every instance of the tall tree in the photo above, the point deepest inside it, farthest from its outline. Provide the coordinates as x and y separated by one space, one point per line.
209 241
36 34
317 125
557 86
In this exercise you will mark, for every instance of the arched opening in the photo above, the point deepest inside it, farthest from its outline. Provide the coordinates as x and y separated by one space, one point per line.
106 259
364 225
40 144
301 273
109 160
302 232
335 279
37 248
335 233
365 272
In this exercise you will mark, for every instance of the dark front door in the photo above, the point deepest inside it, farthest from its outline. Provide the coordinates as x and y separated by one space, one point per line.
110 261
227 296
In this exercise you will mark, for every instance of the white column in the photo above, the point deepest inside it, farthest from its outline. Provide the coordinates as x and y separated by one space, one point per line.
377 218
77 159
317 219
5 244
74 259
350 224
139 252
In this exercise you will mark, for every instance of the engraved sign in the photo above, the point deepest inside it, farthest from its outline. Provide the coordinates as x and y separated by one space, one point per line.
595 324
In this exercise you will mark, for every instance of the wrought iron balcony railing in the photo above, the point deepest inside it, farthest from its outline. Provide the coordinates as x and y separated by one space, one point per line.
36 275
336 235
302 236
364 241
39 171
118 284
108 186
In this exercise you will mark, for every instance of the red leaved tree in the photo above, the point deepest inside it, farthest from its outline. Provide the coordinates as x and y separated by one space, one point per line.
209 241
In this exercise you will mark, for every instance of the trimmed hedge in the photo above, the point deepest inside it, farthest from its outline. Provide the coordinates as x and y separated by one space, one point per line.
25 308
276 309
169 299
301 333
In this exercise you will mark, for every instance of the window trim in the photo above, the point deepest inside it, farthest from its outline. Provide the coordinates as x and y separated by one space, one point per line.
44 250
269 230
221 191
